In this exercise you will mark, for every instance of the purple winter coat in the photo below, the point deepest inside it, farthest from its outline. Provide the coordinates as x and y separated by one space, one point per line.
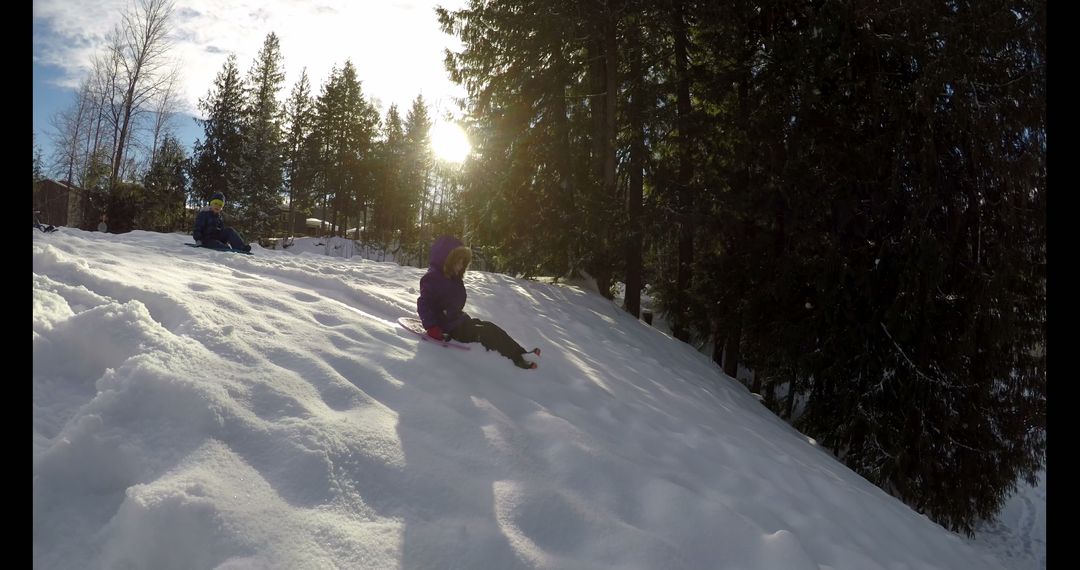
441 298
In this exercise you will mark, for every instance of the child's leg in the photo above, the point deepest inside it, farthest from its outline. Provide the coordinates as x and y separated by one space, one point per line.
234 239
490 336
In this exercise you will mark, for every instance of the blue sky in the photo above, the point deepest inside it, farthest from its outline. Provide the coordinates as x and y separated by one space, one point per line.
51 98
48 99
396 47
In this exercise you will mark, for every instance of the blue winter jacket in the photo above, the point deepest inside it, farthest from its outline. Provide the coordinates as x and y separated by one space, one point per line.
441 298
208 225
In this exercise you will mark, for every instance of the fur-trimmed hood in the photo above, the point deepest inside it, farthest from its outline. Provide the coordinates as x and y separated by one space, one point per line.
457 254
446 251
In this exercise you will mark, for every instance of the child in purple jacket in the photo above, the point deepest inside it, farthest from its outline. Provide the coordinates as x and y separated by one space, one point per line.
442 298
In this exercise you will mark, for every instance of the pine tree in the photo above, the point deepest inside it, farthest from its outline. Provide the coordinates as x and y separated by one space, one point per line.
543 146
345 131
361 123
393 214
218 158
299 167
38 169
162 207
417 168
880 288
263 150
849 199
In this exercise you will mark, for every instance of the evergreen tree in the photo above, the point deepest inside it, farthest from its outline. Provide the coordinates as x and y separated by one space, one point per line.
393 213
162 207
260 201
849 198
878 289
38 169
416 172
345 131
217 164
530 70
300 168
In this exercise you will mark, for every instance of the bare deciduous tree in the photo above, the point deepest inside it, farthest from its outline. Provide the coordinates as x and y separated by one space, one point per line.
144 64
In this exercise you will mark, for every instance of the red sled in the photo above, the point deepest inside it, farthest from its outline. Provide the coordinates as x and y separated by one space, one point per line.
414 326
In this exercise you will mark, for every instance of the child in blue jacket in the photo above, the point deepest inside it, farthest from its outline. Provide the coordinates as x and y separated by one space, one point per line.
211 231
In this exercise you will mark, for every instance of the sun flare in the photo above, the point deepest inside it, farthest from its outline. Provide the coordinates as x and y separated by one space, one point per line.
449 142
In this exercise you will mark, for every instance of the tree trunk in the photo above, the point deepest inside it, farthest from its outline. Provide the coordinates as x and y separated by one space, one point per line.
635 193
731 347
684 176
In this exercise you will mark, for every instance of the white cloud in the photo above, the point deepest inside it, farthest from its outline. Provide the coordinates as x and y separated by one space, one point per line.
397 48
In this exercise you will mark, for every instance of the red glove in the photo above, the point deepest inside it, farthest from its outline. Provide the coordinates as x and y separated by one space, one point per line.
435 332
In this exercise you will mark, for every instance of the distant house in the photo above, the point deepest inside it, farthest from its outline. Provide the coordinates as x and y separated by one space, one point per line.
60 203
315 226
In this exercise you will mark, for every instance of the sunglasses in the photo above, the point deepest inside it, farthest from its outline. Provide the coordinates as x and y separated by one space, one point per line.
217 204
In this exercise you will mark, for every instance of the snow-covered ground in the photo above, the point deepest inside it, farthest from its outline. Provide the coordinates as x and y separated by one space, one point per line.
201 409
